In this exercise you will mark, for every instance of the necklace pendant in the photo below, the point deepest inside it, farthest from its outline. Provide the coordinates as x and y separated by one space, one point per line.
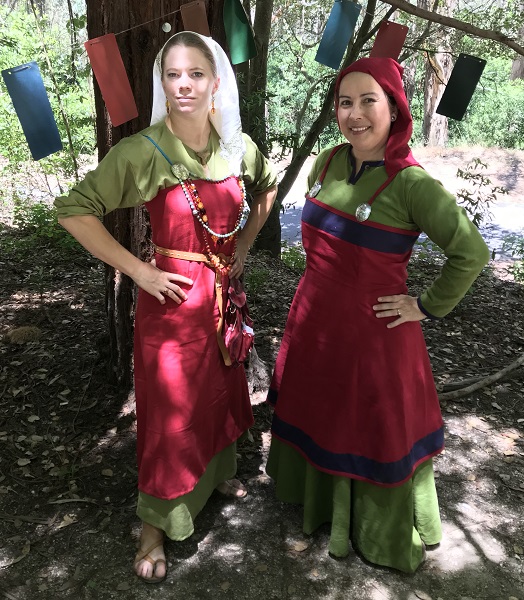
315 189
363 211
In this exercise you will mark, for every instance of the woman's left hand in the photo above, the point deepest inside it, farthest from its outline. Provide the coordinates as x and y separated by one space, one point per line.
237 266
405 308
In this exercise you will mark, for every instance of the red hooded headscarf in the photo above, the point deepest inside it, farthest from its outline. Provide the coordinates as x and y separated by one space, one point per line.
388 74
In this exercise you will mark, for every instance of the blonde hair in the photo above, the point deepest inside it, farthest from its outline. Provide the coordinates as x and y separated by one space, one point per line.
188 39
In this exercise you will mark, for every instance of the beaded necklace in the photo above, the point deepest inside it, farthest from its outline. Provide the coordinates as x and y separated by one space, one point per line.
199 212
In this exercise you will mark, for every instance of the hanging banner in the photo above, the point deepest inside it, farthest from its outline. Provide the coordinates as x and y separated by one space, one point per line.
338 32
389 40
239 33
29 96
461 86
108 67
194 17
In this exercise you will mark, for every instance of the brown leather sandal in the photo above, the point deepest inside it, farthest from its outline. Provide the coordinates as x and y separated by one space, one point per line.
144 555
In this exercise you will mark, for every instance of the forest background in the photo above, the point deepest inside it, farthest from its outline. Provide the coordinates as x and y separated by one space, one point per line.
67 423
286 100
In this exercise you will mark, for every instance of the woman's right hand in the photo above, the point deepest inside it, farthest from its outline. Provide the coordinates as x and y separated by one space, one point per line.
161 284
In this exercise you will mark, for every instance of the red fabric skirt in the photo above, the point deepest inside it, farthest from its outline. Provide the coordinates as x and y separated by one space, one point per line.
355 398
190 406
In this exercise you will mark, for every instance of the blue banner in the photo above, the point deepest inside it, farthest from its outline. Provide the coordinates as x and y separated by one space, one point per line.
338 32
29 96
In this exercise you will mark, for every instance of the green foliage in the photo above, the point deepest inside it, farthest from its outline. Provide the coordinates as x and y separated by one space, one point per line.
480 193
21 42
294 257
256 280
297 86
38 223
515 245
495 116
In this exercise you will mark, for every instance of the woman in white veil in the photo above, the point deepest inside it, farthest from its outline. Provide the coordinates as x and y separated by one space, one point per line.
192 169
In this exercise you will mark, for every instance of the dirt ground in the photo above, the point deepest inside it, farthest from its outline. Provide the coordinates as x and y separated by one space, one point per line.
67 463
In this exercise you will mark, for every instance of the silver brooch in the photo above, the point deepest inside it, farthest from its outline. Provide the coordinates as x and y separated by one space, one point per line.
363 211
180 171
315 189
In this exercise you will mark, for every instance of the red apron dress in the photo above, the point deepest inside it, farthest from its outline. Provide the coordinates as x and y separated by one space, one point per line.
354 398
190 406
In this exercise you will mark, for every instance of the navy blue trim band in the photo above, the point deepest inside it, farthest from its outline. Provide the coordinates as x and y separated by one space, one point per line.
359 466
428 314
272 396
351 231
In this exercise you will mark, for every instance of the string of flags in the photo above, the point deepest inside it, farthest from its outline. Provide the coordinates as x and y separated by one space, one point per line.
389 42
30 100
27 91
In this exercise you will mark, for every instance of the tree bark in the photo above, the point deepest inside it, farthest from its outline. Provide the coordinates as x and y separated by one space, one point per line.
253 87
138 47
438 70
517 68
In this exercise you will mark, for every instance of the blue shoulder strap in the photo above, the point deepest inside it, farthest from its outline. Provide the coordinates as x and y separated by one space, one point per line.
158 148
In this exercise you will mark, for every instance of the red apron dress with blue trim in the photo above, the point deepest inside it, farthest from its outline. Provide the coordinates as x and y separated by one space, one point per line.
355 398
190 405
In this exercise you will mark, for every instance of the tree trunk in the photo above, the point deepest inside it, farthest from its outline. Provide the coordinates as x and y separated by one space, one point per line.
253 90
138 48
517 68
438 70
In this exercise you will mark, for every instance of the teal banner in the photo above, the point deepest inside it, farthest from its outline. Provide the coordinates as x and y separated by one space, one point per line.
338 32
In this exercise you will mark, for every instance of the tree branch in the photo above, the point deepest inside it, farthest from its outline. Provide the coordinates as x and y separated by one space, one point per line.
483 382
434 17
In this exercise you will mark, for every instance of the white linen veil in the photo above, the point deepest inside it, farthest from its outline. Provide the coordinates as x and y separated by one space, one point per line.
226 119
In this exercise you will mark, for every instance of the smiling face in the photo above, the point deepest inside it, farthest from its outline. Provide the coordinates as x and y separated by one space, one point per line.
365 115
188 81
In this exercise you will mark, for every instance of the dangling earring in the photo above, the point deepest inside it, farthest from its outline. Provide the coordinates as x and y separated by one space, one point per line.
213 109
168 107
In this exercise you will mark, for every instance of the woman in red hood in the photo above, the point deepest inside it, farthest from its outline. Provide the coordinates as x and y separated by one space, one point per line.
357 418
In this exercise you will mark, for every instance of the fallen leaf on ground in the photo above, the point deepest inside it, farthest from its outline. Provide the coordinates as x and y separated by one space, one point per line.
300 546
122 587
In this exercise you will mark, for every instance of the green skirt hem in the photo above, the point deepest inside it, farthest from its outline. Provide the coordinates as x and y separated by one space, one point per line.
176 517
387 526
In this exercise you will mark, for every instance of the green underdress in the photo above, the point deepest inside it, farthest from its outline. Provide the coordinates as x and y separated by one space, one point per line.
176 517
387 526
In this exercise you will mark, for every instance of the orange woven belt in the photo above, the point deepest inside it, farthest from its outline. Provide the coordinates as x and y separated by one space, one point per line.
196 257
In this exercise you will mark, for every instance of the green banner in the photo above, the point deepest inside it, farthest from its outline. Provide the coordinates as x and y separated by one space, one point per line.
239 33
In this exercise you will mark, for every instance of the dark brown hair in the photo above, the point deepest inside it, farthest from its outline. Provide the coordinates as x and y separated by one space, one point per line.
188 39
